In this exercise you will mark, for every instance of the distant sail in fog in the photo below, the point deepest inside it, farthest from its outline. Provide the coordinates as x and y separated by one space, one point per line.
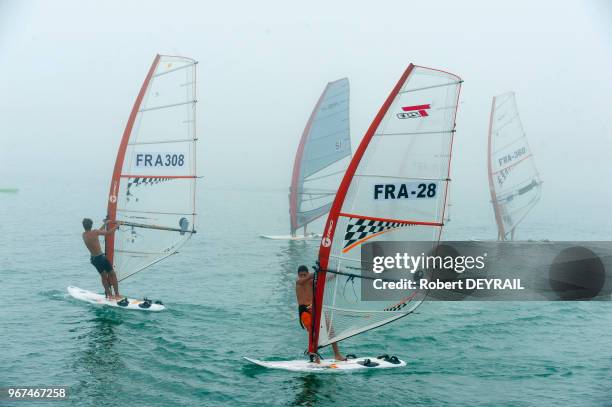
322 157
513 177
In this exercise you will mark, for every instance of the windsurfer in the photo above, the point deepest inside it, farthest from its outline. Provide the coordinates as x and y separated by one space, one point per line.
303 292
98 259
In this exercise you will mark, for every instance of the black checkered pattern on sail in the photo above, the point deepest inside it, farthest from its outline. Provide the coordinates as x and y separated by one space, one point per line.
358 229
396 307
138 182
144 181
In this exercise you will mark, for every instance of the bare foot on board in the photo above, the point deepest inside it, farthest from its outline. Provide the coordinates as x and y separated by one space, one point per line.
339 357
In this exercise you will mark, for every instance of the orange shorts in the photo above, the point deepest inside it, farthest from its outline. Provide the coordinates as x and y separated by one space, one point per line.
306 318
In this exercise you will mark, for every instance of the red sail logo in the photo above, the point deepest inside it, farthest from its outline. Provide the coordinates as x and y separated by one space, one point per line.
412 112
326 241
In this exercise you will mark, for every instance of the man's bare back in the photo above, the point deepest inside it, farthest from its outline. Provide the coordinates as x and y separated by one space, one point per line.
92 242
98 258
91 238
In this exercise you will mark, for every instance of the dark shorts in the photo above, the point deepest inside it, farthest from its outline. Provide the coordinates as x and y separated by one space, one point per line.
101 263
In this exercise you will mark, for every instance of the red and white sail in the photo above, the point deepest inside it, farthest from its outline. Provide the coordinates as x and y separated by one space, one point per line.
153 190
514 181
322 156
395 189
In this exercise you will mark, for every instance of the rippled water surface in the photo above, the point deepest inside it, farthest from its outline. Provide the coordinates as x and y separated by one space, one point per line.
230 294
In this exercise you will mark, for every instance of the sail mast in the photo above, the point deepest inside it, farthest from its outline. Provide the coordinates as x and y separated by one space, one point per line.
111 213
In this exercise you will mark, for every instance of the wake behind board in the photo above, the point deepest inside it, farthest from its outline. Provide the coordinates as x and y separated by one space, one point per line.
313 236
99 299
329 365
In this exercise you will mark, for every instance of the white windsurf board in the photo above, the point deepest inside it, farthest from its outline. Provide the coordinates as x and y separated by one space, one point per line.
328 365
99 299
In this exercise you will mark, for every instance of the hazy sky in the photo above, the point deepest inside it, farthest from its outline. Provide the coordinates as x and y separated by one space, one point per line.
71 71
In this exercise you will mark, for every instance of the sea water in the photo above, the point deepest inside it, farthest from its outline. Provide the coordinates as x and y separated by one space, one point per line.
231 294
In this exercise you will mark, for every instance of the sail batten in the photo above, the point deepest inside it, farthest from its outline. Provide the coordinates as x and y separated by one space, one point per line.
148 109
402 178
394 189
514 181
157 177
322 156
176 69
160 142
431 87
155 170
415 133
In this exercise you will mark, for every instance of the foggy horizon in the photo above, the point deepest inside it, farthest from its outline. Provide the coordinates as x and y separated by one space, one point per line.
72 72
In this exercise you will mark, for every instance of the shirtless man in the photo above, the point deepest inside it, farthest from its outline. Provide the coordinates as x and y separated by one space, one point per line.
303 292
98 259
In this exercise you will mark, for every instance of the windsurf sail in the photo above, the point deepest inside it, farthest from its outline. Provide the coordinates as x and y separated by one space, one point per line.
322 156
395 189
153 189
514 181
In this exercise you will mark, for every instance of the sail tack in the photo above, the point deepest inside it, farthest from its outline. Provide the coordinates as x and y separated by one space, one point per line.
514 181
153 189
395 189
322 156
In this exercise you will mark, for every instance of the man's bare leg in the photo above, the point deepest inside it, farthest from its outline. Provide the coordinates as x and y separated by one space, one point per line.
337 354
112 276
106 285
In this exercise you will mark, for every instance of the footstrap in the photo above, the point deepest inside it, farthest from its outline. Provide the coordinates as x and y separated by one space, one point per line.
312 355
146 303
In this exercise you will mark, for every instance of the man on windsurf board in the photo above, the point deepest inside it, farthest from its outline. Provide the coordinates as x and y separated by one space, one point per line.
98 258
303 292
